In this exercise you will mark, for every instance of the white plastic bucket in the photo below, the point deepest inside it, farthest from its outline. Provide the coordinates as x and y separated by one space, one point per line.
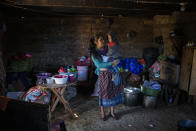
82 73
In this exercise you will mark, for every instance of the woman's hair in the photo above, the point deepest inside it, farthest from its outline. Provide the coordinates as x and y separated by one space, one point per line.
92 47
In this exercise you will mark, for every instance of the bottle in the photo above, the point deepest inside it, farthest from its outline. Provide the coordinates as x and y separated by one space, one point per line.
73 69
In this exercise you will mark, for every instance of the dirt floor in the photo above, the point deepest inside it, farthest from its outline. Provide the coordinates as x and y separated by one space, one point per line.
163 118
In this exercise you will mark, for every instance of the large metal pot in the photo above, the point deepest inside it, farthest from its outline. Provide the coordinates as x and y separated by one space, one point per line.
150 101
133 96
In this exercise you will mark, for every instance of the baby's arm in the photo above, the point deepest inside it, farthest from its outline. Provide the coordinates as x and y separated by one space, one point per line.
109 38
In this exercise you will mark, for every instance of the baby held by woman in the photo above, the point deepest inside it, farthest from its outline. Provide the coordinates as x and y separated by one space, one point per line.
113 54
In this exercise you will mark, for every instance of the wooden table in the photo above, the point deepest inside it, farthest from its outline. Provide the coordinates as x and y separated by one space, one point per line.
58 90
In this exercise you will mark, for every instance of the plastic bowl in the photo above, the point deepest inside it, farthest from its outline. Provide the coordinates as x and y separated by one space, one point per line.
60 79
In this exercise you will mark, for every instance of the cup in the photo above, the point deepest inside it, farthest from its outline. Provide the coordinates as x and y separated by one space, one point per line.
71 77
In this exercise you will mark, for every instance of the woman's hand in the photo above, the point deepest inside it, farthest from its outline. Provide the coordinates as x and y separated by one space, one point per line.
115 62
109 38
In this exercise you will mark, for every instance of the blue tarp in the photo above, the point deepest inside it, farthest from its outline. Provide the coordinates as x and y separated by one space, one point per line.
131 65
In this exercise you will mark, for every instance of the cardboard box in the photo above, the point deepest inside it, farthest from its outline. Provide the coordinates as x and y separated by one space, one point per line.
170 72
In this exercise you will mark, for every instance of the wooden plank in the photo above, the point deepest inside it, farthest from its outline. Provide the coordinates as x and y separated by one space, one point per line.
186 68
192 88
170 72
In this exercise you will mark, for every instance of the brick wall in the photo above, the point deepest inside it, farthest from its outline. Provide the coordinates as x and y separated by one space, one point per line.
55 41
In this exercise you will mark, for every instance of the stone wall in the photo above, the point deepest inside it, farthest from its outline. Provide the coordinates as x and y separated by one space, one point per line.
55 41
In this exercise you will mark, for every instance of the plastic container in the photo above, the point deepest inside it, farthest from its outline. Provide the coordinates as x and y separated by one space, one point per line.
43 75
63 73
71 77
49 80
60 79
82 73
150 91
187 125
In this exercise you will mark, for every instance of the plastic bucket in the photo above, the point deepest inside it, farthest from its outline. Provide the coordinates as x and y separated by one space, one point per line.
186 125
82 73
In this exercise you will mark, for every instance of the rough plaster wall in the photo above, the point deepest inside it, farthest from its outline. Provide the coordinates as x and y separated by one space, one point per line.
1 43
55 41
133 47
164 24
1 35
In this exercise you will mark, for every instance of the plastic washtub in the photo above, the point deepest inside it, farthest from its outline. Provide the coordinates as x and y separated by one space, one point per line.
60 79
149 91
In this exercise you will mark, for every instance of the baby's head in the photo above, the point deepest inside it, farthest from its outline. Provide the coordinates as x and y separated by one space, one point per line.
114 37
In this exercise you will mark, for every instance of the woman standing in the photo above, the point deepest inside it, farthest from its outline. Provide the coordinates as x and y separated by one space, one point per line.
110 94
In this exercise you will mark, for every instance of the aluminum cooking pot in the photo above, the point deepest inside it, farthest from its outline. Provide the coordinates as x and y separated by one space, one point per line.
133 96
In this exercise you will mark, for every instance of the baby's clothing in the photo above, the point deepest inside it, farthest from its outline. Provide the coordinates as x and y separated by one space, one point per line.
113 47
